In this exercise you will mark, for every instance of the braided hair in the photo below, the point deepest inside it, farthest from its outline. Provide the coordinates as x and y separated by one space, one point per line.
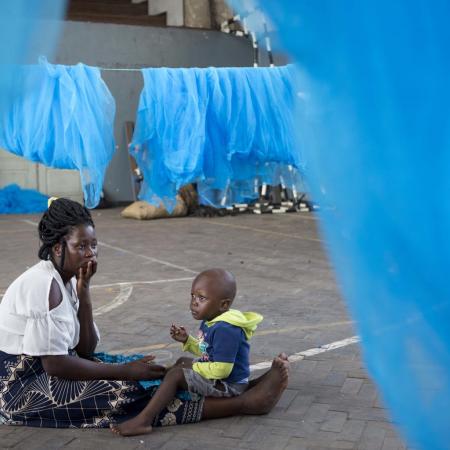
57 222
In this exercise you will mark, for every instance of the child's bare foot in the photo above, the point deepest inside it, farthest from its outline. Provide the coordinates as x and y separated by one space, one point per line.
267 390
132 427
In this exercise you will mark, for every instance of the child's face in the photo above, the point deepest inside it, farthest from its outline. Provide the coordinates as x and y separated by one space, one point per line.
206 303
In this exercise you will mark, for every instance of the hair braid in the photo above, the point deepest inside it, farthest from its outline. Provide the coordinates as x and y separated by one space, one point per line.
58 221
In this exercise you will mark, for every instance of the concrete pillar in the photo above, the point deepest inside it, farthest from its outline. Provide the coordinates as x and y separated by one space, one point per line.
220 12
197 14
173 9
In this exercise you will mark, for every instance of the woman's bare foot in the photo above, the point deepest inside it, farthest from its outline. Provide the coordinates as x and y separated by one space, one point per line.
267 390
132 427
255 381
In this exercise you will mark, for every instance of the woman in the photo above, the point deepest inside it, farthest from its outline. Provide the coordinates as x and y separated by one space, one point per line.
48 377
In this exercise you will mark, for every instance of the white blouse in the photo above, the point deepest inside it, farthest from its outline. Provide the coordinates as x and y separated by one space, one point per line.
27 326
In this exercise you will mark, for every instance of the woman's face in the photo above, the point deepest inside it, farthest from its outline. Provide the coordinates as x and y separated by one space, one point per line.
81 247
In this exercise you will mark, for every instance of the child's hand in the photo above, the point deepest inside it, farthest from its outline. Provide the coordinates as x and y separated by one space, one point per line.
179 333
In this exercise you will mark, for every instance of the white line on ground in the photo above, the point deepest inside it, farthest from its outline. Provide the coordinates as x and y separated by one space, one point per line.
311 352
124 295
259 230
152 347
167 355
126 288
305 216
123 283
148 258
302 327
29 222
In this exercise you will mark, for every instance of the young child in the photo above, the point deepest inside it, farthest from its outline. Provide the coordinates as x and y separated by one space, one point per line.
222 367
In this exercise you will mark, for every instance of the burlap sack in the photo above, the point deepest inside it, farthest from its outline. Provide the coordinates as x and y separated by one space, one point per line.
145 211
190 197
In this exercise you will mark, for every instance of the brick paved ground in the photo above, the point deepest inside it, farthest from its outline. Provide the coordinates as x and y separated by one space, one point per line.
282 272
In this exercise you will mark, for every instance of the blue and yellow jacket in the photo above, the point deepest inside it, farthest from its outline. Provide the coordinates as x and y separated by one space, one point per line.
222 346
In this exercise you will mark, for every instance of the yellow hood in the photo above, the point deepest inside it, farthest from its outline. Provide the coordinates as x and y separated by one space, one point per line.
245 320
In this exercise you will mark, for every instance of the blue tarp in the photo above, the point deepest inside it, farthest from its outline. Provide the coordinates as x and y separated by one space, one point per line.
375 128
15 200
63 118
228 129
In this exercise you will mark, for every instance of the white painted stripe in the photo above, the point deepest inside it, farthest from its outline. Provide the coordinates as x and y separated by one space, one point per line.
311 352
124 295
126 288
124 283
259 230
29 222
151 347
148 258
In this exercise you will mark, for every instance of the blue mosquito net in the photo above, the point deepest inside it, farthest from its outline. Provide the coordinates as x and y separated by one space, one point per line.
15 200
375 130
228 129
64 119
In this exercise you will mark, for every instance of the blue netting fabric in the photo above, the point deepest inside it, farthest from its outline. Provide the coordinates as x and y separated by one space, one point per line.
15 200
146 384
64 119
28 28
376 131
228 129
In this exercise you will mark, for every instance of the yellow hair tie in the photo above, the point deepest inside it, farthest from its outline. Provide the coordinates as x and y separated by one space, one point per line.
51 200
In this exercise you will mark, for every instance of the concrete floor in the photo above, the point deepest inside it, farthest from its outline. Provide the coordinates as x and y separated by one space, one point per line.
142 286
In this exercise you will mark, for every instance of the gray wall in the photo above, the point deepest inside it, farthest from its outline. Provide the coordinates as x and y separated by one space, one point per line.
126 46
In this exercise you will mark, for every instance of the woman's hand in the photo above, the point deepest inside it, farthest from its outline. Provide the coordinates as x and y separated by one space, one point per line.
75 368
178 333
84 275
88 336
144 369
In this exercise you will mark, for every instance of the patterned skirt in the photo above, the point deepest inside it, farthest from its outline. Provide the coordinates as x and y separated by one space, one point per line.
28 396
